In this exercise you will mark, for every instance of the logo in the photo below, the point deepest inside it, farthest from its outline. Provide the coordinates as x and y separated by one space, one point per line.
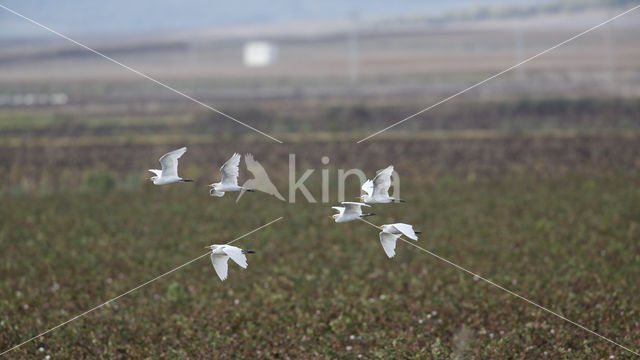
262 182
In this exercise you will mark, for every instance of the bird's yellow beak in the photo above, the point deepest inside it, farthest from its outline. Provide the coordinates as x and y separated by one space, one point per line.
208 247
210 185
379 227
330 216
147 178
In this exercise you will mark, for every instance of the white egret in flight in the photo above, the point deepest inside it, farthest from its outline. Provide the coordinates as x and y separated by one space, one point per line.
169 172
391 232
229 181
220 255
377 190
349 212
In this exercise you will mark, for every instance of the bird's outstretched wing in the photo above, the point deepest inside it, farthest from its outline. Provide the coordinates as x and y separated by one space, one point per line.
230 170
236 255
368 187
339 208
215 193
382 182
388 242
169 162
354 207
220 265
406 230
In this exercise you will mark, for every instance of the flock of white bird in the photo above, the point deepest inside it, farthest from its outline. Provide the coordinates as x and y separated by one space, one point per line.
376 192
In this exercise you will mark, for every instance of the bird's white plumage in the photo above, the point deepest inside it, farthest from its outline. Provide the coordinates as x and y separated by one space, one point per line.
353 207
169 162
237 255
367 187
169 172
391 233
229 180
339 208
349 212
220 255
220 265
382 182
377 190
230 171
388 242
215 193
406 230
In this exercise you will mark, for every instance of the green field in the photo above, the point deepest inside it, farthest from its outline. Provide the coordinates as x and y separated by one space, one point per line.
525 175
321 290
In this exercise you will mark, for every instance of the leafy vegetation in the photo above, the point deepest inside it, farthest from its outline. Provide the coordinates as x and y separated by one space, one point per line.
286 117
320 290
538 195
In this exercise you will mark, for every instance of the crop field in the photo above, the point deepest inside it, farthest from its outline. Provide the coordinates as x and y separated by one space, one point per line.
45 150
531 181
316 289
550 213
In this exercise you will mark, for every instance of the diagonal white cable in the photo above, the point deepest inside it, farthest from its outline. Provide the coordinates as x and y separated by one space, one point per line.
498 74
511 292
134 289
139 73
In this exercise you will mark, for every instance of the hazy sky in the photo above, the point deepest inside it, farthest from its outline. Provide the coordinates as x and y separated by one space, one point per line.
121 16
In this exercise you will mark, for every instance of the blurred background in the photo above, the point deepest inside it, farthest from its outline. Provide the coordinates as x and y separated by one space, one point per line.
315 73
553 144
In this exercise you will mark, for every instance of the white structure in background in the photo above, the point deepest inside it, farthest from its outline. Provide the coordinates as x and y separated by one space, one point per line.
259 53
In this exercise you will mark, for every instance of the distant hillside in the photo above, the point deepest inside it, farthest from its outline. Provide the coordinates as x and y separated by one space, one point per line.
502 11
